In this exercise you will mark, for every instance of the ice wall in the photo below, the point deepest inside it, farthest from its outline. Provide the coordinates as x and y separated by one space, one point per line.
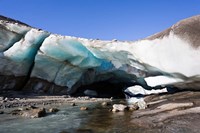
48 61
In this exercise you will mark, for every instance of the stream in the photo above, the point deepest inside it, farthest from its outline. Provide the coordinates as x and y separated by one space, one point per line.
70 119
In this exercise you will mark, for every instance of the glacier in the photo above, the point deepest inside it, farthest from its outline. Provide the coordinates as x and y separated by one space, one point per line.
38 61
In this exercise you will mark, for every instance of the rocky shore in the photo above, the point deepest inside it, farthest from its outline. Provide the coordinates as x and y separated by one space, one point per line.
35 105
177 112
13 99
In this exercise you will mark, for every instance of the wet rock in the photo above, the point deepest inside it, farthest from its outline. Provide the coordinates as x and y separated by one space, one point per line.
32 107
111 98
53 110
105 104
5 99
142 104
17 99
73 104
1 112
119 107
8 105
65 96
93 99
171 106
133 107
83 98
34 113
84 108
11 99
122 102
16 112
164 109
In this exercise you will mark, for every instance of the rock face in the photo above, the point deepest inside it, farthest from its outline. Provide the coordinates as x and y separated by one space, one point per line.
174 110
38 61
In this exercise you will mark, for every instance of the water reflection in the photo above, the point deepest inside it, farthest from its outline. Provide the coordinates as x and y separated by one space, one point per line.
101 120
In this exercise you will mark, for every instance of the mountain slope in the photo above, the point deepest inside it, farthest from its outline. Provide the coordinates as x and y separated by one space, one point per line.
187 29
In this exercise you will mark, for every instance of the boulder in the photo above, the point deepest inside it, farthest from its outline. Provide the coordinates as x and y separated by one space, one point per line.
105 103
53 110
34 113
73 104
84 108
119 107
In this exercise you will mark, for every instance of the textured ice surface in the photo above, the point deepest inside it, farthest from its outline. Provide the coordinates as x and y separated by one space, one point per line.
10 33
71 62
21 55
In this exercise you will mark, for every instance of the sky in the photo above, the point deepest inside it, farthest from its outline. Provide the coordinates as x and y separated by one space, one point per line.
102 19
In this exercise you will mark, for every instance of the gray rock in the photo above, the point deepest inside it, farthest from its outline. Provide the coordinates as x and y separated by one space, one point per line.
84 108
34 113
133 107
1 112
5 99
142 104
53 110
16 112
17 99
73 104
105 104
119 107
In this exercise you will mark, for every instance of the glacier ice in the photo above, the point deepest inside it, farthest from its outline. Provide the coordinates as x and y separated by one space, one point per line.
22 53
57 62
11 33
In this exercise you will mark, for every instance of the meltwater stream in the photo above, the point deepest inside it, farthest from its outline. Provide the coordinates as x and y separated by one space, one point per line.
69 119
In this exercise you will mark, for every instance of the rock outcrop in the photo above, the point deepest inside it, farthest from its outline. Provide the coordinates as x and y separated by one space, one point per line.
38 61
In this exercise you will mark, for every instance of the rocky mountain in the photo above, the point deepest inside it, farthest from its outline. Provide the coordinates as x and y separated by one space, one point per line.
38 61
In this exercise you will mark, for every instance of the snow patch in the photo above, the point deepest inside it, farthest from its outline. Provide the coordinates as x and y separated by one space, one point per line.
161 80
135 90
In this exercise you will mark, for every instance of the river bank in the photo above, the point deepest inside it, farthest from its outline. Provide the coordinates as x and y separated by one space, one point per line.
177 113
13 99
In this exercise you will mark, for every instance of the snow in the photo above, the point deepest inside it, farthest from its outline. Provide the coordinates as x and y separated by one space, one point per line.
135 90
170 54
17 28
161 80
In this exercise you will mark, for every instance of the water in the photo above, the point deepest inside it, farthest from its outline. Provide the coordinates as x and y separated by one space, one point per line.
70 119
